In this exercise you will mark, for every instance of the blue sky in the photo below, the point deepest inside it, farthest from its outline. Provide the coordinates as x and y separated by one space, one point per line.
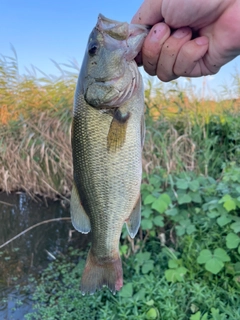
58 30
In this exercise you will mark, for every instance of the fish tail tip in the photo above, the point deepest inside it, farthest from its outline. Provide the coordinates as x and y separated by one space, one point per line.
98 274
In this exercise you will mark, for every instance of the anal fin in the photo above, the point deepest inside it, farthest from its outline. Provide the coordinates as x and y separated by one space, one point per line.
80 219
134 220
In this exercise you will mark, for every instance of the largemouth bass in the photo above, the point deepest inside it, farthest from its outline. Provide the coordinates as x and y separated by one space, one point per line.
107 140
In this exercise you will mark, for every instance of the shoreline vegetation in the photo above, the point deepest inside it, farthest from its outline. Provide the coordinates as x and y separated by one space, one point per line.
184 263
35 126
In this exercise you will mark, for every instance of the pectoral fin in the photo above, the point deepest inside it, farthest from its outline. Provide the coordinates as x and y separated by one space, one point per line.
80 219
133 222
117 131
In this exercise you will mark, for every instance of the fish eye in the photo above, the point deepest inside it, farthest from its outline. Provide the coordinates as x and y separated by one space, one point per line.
92 49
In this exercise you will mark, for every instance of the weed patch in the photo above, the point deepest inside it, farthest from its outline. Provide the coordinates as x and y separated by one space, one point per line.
183 265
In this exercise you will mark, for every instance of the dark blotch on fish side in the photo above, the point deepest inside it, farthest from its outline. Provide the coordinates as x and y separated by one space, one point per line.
122 118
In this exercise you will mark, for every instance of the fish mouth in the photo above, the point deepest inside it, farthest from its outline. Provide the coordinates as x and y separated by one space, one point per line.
107 81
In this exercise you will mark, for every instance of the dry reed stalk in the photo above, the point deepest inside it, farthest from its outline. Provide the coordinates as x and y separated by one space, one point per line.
32 227
170 150
37 158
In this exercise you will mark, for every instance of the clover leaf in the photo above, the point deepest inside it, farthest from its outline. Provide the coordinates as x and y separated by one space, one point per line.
176 272
185 226
214 262
233 241
127 291
228 202
175 275
235 226
223 220
161 203
197 316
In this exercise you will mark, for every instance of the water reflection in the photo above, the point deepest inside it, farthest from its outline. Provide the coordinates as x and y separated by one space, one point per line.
29 254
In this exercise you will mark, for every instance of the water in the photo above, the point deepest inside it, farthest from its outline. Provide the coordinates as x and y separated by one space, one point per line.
26 256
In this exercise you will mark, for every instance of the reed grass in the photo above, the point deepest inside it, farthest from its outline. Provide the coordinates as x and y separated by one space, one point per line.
182 129
35 121
190 132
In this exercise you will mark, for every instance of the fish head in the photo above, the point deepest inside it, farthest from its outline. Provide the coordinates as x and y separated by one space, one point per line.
107 70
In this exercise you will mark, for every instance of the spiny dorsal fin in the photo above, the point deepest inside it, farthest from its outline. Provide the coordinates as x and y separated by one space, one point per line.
80 219
117 131
134 220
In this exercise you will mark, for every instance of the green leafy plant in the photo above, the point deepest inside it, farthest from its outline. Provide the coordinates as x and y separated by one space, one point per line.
233 241
214 262
176 271
215 315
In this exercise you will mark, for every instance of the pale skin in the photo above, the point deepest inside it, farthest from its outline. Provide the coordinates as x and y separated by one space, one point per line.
189 38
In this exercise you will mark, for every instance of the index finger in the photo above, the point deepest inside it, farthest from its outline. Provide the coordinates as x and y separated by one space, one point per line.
149 13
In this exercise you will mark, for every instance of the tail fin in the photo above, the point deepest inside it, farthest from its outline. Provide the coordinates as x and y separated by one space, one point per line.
97 274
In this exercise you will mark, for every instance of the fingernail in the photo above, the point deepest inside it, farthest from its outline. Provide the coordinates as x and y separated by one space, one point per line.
201 41
181 33
158 32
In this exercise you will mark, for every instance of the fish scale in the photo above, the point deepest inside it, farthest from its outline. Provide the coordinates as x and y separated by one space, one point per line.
107 188
107 145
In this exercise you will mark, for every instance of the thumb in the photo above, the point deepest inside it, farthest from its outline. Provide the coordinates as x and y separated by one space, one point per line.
149 13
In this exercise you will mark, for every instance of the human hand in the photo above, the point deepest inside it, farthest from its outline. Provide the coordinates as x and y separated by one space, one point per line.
206 36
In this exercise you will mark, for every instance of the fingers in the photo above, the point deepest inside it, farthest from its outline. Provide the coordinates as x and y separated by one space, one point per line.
149 13
171 56
169 53
152 46
189 62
